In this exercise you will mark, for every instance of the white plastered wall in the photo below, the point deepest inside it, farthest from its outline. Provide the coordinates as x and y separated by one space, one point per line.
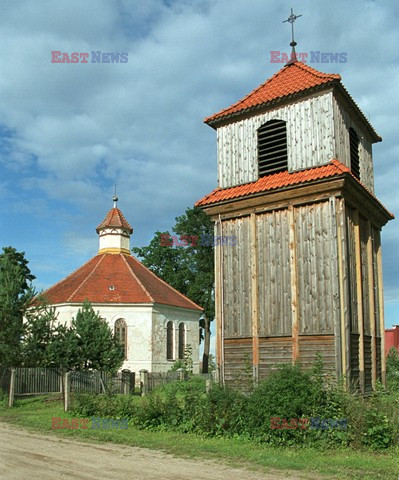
162 314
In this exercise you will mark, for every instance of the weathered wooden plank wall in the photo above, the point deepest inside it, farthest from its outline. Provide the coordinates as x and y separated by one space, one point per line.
336 257
272 230
273 351
237 279
309 138
342 122
317 279
238 361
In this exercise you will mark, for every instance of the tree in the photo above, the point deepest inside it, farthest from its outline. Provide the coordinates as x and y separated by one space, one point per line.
16 294
96 346
188 268
39 334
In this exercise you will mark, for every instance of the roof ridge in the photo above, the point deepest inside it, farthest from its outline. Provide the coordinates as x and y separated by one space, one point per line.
70 275
136 278
86 278
319 78
315 72
165 283
249 94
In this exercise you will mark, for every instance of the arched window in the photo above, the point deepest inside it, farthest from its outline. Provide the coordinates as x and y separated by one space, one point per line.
169 341
121 334
354 153
272 147
182 340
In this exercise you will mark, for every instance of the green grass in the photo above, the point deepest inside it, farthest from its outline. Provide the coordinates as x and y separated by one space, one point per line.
36 413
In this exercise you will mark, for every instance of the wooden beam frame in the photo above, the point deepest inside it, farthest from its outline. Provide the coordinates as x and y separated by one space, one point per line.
381 309
371 304
359 299
342 330
254 299
218 303
294 285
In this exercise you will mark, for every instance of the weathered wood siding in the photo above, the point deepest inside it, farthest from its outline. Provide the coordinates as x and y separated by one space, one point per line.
272 352
317 269
342 123
272 230
237 279
366 275
354 359
238 361
354 328
309 347
310 140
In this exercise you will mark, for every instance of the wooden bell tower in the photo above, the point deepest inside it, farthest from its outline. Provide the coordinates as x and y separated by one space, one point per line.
296 193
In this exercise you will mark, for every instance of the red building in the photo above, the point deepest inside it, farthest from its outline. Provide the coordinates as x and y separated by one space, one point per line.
391 338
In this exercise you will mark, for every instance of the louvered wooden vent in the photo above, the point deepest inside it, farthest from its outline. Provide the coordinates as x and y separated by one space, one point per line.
272 147
354 153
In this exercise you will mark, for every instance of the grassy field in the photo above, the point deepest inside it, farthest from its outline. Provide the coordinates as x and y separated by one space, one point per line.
35 414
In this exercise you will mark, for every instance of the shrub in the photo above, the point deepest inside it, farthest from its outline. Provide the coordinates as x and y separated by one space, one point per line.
107 406
393 369
171 406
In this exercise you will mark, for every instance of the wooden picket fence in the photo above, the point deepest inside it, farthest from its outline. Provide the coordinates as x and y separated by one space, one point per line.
40 381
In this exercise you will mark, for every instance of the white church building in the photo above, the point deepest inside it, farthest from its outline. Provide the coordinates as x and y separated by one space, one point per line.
152 321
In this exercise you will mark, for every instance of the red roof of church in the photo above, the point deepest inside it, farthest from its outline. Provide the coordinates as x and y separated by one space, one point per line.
293 78
116 278
277 180
116 219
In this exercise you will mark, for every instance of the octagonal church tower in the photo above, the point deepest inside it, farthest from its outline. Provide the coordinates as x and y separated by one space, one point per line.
296 190
152 321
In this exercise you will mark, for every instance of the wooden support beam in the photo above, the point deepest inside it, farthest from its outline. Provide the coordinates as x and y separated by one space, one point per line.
342 329
371 304
218 301
381 307
359 299
294 285
254 299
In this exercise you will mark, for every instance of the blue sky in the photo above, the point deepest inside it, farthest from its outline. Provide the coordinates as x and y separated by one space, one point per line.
68 131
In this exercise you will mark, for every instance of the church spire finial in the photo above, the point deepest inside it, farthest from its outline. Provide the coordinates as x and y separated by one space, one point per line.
291 19
115 198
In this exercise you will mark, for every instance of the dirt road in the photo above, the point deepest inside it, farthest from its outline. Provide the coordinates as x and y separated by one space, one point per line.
29 456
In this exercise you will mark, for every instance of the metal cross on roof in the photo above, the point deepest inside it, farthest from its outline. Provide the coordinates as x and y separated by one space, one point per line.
291 19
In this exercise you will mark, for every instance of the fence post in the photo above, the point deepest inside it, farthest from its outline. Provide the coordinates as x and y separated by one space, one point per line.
126 381
144 382
181 374
66 391
12 389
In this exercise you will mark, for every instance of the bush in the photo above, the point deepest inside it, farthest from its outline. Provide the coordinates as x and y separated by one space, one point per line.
289 393
393 369
171 405
106 406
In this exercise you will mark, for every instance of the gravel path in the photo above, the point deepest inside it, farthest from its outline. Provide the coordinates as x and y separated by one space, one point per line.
30 456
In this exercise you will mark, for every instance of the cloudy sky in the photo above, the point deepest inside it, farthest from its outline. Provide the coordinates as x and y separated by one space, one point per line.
68 131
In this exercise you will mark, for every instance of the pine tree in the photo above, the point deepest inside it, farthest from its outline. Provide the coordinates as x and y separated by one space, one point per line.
16 294
96 346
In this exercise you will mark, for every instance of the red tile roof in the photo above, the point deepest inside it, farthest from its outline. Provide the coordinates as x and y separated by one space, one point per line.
275 181
291 79
110 278
116 219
